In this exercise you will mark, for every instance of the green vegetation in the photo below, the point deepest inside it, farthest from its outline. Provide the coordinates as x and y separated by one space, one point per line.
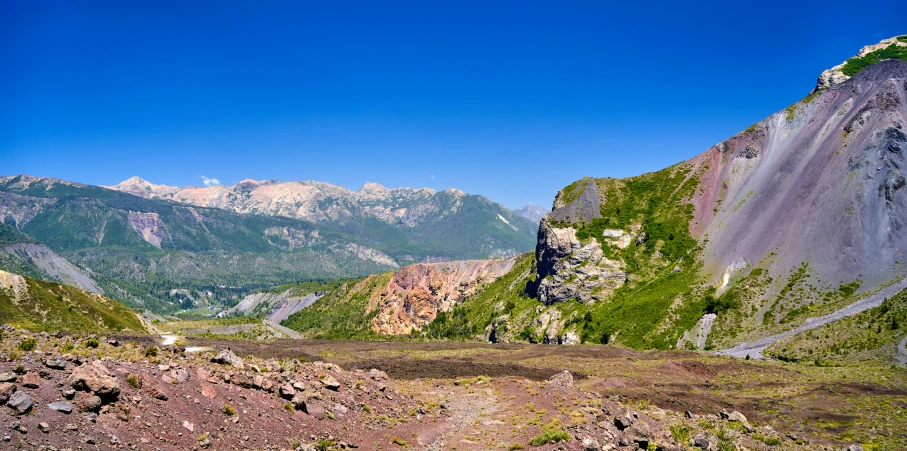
51 307
551 433
869 335
342 313
228 410
151 351
681 433
134 381
28 344
856 64
92 343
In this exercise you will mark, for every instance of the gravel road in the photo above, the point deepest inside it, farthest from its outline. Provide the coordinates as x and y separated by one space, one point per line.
754 349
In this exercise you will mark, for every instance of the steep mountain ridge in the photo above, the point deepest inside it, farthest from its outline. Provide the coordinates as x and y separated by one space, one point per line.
532 212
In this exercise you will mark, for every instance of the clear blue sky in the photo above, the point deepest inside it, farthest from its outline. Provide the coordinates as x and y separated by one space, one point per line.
512 100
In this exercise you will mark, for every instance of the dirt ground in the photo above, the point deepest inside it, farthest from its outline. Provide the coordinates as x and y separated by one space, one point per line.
828 405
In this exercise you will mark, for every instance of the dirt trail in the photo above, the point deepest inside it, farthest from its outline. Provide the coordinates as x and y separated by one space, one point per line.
755 349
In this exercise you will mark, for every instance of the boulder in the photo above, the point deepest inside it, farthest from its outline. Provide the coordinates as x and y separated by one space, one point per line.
702 441
287 391
91 403
31 380
57 363
330 382
8 377
61 406
179 375
6 390
227 357
95 378
563 379
20 402
158 392
739 418
590 444
377 374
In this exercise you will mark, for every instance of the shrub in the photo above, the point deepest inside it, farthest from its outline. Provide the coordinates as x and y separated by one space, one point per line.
289 407
681 433
20 369
515 447
324 445
28 344
229 410
151 351
68 346
134 381
92 343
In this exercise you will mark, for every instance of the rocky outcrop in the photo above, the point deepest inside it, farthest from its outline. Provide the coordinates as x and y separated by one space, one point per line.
836 76
149 226
417 293
96 379
569 270
138 187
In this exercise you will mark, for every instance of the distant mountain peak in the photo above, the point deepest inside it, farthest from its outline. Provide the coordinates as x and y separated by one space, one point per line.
141 187
532 212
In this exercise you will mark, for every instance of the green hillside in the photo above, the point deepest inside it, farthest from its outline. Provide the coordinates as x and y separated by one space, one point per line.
45 306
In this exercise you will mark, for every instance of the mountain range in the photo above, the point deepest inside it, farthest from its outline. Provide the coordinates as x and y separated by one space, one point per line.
161 252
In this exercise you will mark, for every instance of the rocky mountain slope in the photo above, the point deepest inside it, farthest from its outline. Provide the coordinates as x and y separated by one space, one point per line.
440 225
51 307
396 303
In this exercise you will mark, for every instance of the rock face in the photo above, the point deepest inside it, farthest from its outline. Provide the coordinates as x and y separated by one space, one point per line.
569 270
417 293
149 226
836 76
53 266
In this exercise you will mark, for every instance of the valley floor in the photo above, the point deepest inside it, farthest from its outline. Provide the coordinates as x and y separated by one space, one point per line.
318 394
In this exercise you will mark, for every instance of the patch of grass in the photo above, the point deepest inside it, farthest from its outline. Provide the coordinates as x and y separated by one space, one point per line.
28 344
551 433
134 381
228 410
151 351
325 444
92 343
398 441
681 433
289 407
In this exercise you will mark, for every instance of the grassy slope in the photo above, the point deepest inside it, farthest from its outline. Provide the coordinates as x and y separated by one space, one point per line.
53 307
342 313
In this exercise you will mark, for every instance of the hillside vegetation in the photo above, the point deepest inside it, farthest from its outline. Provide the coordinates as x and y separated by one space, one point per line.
44 306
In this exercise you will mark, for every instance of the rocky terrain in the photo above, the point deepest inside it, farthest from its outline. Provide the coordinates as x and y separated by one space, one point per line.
90 392
416 294
837 75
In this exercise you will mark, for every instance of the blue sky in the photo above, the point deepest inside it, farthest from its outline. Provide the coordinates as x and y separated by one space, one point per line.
512 100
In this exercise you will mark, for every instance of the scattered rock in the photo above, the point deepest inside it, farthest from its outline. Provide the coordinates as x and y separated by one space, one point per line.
157 392
21 402
563 379
227 357
287 391
95 378
8 377
44 427
91 403
738 417
31 380
702 441
6 390
189 426
57 363
330 383
590 444
61 406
